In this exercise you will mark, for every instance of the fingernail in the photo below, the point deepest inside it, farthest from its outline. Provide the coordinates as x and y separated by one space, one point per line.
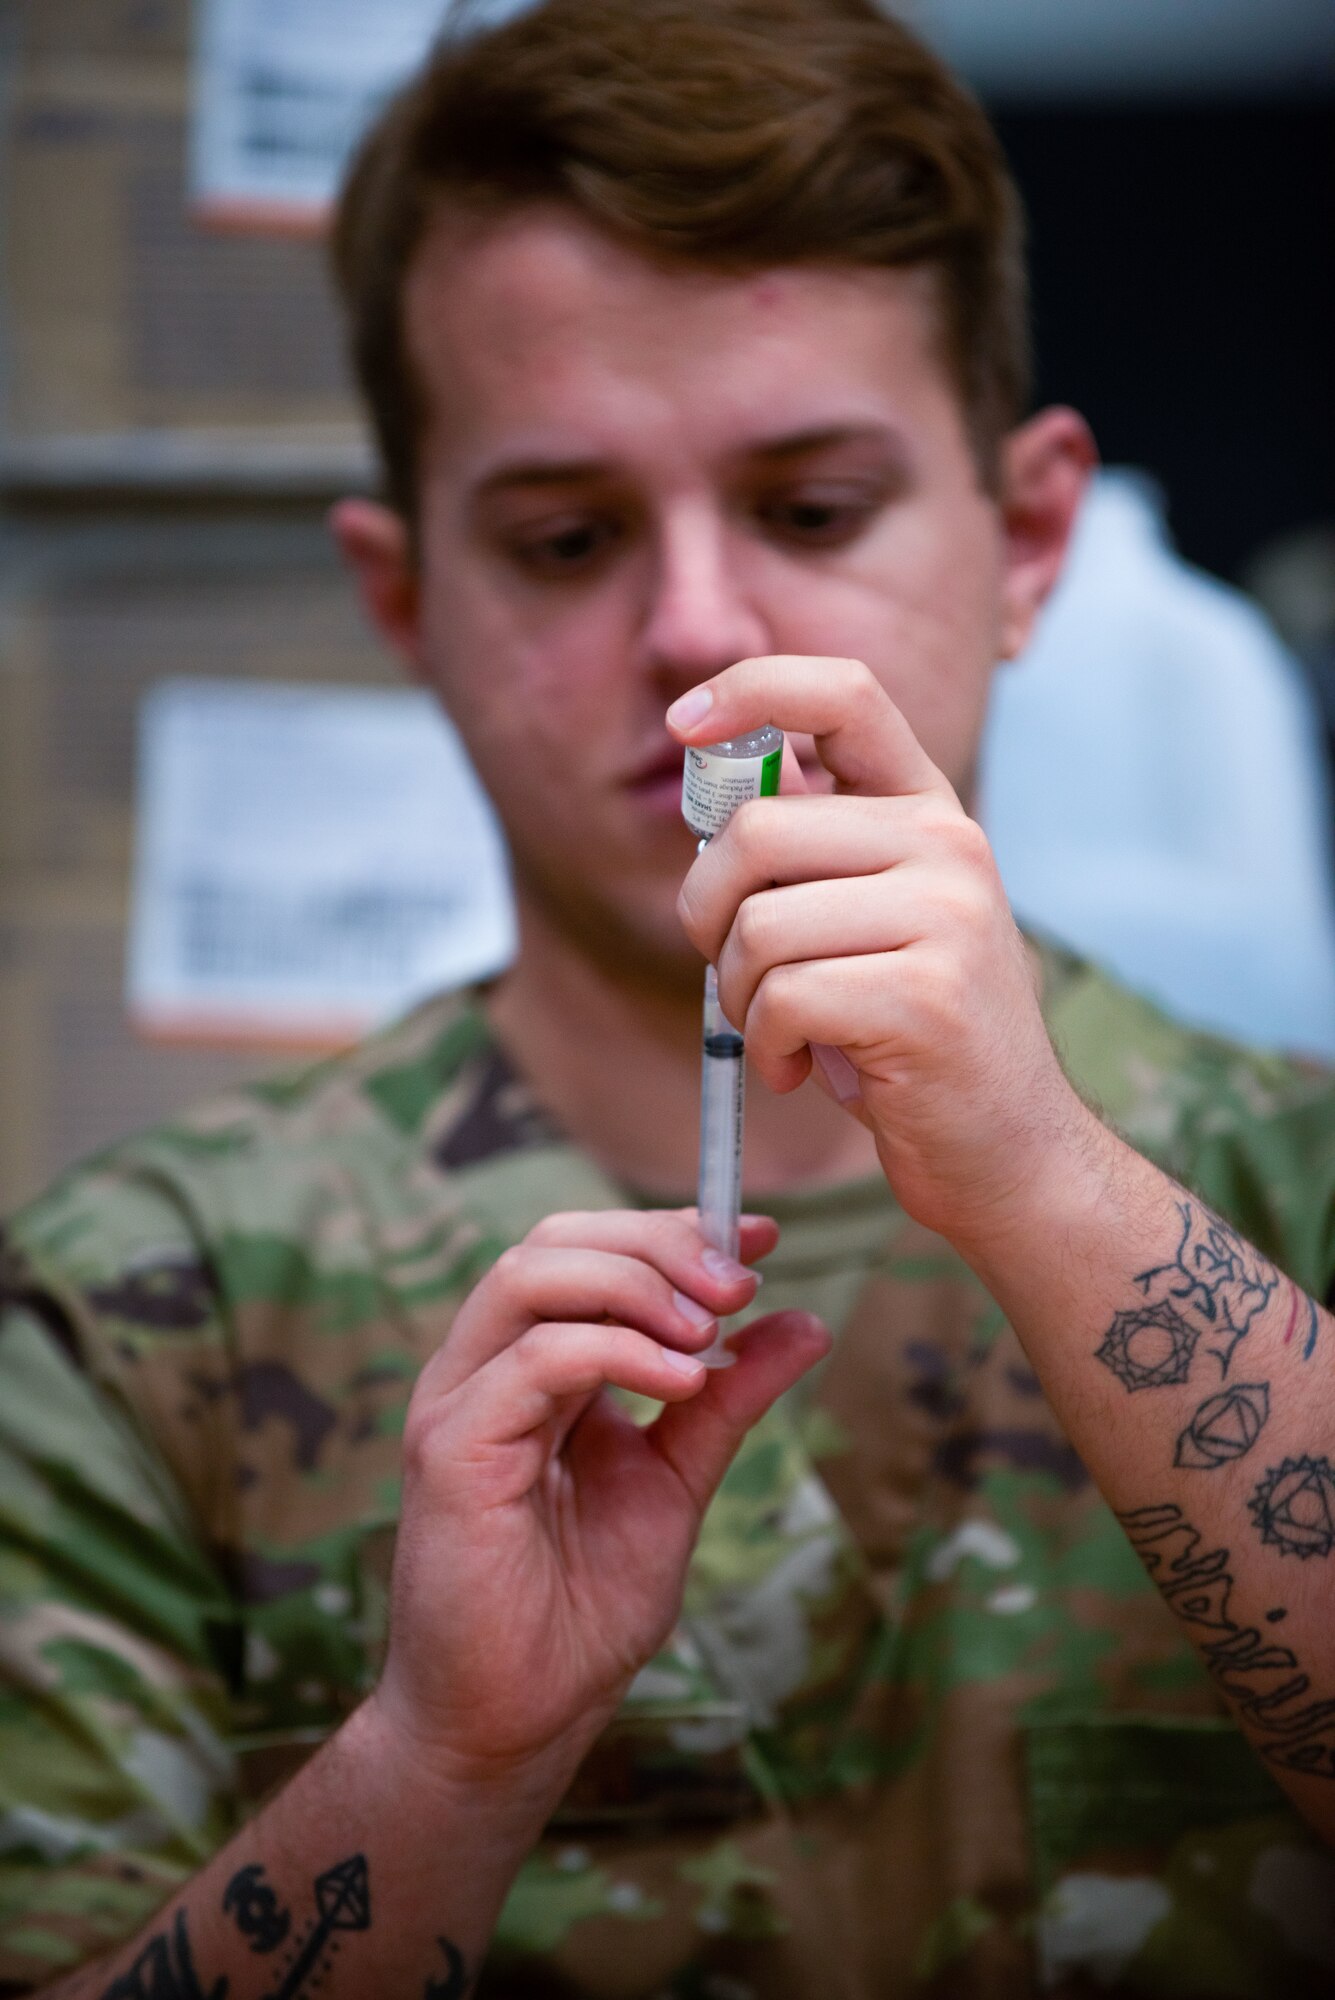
692 1310
838 1072
690 708
726 1269
685 1364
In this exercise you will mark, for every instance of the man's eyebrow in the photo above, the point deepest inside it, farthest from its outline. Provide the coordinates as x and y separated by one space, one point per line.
824 436
547 472
541 472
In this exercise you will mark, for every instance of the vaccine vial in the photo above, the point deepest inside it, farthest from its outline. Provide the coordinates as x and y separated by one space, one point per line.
719 777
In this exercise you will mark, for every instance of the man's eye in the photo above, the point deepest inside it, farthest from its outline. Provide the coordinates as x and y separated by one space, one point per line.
818 520
565 550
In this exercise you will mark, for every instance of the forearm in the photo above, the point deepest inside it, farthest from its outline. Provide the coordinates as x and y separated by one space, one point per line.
367 1874
1193 1379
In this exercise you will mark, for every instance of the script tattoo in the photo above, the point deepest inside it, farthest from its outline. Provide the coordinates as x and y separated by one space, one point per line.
1225 1427
254 1908
165 1970
1215 1275
1148 1348
1263 1680
1294 1507
456 1982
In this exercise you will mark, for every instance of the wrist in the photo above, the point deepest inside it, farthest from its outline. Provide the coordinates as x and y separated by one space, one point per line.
510 1797
1074 1182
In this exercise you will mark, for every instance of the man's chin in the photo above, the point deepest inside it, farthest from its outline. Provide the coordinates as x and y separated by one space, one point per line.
640 948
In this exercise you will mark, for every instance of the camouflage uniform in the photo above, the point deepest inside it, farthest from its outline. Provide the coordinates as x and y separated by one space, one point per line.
925 1727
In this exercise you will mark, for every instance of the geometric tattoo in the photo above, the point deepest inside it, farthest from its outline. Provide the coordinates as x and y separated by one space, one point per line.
1294 1507
1225 1427
1149 1348
343 1903
164 1969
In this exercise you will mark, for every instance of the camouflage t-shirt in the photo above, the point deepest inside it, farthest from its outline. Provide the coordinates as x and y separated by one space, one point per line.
925 1726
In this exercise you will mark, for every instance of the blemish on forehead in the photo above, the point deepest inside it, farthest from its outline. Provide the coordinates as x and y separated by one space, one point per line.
771 290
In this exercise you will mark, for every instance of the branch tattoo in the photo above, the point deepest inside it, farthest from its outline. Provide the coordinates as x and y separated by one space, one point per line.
1215 1276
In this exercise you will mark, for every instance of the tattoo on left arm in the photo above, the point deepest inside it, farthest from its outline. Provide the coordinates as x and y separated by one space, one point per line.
253 1907
165 1970
1262 1679
1216 1276
342 1903
1209 1294
457 1981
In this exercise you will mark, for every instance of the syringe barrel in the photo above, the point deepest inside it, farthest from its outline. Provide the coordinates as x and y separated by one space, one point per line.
722 1098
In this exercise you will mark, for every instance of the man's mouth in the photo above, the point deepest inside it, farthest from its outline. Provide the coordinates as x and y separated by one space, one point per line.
656 783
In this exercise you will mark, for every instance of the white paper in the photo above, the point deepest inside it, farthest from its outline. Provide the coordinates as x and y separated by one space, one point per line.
283 89
309 861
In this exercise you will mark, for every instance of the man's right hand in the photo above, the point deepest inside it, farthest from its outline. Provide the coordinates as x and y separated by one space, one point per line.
544 1534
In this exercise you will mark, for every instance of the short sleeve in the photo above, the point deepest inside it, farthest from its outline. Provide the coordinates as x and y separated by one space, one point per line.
115 1633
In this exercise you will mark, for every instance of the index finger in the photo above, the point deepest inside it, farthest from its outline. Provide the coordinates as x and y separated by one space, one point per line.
861 737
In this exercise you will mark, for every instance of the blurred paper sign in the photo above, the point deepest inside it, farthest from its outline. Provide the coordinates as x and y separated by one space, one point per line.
282 91
309 862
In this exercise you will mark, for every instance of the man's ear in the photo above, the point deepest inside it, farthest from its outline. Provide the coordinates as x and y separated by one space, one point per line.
1045 469
376 545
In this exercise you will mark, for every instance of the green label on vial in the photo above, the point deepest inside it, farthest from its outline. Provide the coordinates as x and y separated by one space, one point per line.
769 774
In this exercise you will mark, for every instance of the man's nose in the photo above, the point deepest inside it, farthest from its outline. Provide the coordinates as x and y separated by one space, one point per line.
700 616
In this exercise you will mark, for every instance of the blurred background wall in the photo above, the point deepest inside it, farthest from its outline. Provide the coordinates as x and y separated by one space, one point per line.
175 417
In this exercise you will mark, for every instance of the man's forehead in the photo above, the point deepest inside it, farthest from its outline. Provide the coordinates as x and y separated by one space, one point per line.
539 311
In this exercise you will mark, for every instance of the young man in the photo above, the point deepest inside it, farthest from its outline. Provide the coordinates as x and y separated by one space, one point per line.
692 331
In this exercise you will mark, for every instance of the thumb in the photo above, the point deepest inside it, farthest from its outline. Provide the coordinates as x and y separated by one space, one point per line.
699 1439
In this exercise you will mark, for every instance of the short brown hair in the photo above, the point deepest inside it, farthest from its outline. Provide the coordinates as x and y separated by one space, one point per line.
735 133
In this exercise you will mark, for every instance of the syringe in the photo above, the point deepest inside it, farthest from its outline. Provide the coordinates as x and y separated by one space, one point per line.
718 778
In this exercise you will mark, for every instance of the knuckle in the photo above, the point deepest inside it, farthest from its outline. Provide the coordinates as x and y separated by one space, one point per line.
551 1231
507 1273
689 915
745 831
419 1446
753 928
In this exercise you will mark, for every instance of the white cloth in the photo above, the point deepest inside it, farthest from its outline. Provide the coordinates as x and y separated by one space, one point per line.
1154 787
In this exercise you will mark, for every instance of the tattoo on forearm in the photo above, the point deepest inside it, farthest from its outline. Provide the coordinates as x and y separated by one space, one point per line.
165 1970
255 1910
1211 1293
1294 1507
457 1981
1225 1427
1217 1276
342 1903
1149 1348
1263 1680
1304 1309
